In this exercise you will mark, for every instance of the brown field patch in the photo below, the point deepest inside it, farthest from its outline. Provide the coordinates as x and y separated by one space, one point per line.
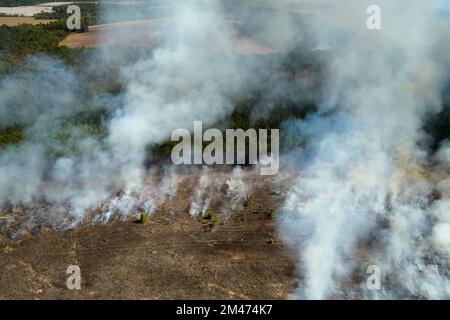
15 21
140 33
172 256
147 34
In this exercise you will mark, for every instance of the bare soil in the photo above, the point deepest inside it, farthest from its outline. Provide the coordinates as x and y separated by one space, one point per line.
148 33
15 21
172 256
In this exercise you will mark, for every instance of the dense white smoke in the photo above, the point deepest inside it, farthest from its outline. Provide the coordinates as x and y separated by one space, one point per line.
238 189
222 192
181 81
147 198
364 197
192 73
202 195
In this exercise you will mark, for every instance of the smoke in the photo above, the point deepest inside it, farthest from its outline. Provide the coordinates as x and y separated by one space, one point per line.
221 192
191 73
147 198
365 196
237 189
39 100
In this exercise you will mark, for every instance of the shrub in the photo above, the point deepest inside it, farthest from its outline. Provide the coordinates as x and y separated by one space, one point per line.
10 136
210 218
143 218
249 202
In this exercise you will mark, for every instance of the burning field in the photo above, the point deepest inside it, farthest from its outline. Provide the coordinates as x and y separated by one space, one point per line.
174 255
103 165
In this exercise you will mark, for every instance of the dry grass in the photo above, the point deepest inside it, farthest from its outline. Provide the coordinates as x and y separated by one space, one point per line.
15 21
148 33
172 256
140 33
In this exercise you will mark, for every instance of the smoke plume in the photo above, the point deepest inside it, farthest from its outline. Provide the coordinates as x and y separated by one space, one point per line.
365 195
192 73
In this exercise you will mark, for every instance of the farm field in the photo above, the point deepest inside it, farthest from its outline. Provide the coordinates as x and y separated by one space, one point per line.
15 21
30 11
26 11
145 33
129 33
172 256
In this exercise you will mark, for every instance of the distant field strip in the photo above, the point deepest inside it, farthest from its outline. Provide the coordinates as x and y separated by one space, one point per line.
148 33
30 11
15 21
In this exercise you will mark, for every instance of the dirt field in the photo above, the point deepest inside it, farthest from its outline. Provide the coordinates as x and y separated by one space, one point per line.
351 17
140 33
15 21
172 256
147 33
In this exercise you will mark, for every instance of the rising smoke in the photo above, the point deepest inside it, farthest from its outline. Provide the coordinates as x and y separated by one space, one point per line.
367 194
192 74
